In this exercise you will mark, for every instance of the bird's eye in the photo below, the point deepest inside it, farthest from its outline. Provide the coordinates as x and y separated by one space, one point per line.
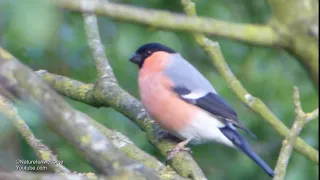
149 52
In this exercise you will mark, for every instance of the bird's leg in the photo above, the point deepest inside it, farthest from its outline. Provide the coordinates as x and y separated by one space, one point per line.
179 147
161 134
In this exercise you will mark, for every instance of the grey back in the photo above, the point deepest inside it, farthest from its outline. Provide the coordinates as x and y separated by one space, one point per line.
186 75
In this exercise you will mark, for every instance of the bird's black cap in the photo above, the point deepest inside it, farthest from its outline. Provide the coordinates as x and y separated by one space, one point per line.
147 50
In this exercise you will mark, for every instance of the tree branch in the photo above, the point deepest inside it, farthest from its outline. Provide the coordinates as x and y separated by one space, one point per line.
253 34
131 108
300 30
96 47
214 52
311 116
40 149
286 29
288 142
72 124
73 89
77 90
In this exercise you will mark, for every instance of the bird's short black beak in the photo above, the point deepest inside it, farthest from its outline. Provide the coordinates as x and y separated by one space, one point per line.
137 59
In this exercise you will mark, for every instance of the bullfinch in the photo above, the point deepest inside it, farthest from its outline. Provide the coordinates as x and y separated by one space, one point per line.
184 103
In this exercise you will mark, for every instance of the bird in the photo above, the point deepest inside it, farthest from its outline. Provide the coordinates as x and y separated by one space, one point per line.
184 103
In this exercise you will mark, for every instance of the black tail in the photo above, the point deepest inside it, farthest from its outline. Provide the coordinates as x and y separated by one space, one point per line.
244 146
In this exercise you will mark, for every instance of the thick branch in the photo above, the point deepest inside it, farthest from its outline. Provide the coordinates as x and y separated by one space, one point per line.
82 92
75 90
128 148
40 149
285 11
214 52
300 30
253 34
72 124
121 101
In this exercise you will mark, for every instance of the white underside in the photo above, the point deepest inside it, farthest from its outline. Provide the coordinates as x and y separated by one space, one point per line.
204 128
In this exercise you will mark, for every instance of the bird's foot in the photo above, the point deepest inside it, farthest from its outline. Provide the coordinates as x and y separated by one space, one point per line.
179 147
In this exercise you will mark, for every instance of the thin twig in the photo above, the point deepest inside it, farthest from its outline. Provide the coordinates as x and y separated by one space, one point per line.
312 115
40 149
288 142
96 47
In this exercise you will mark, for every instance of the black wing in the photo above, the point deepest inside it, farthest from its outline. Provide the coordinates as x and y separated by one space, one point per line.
215 105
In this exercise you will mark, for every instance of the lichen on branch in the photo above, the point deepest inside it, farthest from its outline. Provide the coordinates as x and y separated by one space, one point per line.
250 33
74 125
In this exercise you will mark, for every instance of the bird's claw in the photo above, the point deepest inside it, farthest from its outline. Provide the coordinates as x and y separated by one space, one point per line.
181 149
175 150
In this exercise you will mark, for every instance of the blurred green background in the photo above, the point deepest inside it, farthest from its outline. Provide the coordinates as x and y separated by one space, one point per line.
44 37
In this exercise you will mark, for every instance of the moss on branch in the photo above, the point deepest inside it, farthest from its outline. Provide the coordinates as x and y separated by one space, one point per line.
75 126
250 33
115 97
81 92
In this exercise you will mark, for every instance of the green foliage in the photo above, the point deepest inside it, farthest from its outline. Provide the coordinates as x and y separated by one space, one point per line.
47 38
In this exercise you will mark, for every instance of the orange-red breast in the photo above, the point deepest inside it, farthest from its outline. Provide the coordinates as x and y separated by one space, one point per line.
183 102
